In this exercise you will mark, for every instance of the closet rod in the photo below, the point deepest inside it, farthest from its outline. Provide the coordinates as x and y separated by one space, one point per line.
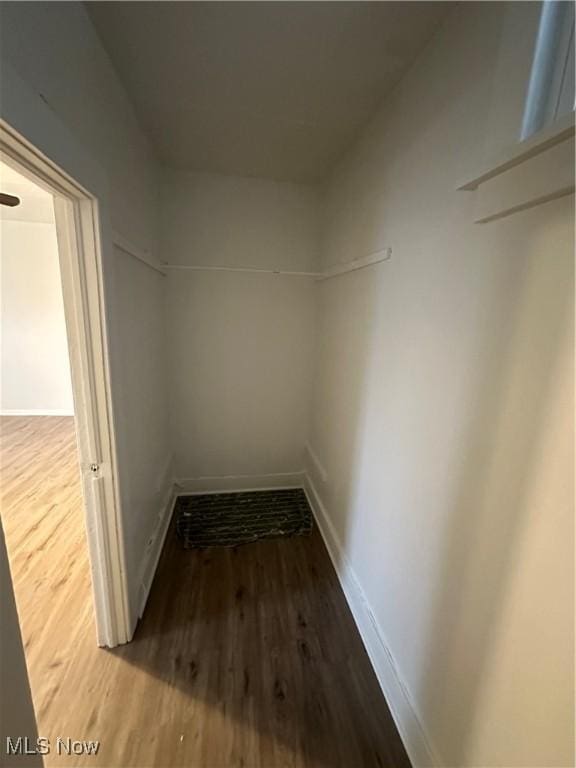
127 247
351 266
260 270
339 269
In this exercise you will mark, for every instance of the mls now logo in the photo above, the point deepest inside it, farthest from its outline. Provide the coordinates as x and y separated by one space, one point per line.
23 745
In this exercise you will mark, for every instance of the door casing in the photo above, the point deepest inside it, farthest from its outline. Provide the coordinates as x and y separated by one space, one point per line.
80 255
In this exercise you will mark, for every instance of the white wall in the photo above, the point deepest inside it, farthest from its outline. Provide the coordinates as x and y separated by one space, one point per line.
34 365
60 89
443 415
241 344
142 423
442 399
16 705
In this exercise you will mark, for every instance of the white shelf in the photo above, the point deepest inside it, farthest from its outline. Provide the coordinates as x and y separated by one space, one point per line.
223 268
137 253
522 151
335 271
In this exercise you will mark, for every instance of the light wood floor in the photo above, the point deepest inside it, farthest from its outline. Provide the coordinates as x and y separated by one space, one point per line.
42 516
245 657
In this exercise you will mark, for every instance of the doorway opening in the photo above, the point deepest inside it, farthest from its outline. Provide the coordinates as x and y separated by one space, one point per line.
59 479
41 491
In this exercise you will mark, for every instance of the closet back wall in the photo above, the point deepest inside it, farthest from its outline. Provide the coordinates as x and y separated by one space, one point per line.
241 343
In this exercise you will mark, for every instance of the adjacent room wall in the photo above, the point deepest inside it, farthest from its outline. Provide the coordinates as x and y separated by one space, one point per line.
34 367
241 343
54 49
442 418
16 707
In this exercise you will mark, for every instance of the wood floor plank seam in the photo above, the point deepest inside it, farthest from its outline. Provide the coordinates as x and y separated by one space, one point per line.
246 657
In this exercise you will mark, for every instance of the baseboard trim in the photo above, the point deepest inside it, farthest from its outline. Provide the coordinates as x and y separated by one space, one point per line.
156 543
415 739
190 486
36 412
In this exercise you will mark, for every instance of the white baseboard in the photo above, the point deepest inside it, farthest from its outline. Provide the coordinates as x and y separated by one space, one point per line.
36 412
156 540
415 740
189 486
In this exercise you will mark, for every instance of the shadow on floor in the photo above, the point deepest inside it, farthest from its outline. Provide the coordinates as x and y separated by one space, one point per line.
261 659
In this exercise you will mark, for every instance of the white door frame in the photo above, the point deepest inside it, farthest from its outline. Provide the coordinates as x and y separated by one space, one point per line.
78 232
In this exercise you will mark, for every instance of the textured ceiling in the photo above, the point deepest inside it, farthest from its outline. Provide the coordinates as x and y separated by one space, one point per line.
270 89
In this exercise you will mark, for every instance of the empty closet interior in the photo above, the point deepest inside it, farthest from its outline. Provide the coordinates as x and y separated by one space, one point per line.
244 279
333 261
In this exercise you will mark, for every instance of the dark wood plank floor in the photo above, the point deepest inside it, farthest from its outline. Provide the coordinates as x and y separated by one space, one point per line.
260 661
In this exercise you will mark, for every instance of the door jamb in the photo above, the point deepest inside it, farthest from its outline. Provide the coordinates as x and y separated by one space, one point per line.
80 254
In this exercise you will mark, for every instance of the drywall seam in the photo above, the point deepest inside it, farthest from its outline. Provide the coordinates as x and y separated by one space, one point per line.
417 742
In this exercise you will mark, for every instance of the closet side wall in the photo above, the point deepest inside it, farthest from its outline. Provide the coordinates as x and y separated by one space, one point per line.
443 413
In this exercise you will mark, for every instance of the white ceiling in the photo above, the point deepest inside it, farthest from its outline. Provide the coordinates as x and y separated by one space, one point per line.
270 89
15 183
35 202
